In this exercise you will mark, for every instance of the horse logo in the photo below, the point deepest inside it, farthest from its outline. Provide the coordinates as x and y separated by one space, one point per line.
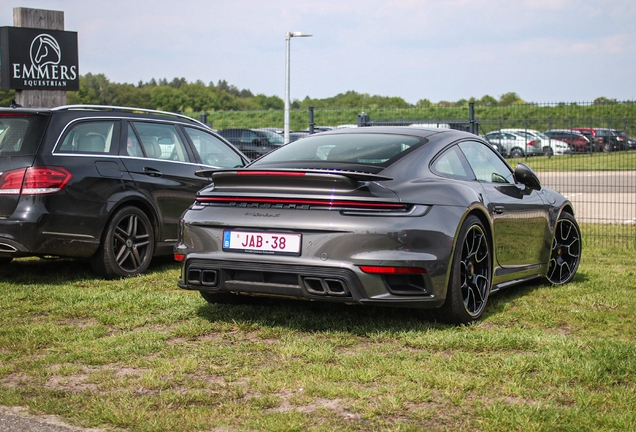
45 50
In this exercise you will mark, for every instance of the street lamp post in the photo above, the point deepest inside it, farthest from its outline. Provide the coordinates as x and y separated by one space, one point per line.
288 37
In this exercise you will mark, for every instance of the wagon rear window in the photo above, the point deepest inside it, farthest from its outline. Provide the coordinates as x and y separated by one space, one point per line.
20 135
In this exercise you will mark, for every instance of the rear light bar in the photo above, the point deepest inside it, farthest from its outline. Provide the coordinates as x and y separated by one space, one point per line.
272 173
316 202
34 180
392 270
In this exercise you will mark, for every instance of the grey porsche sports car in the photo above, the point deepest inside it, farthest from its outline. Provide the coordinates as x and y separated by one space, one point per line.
392 216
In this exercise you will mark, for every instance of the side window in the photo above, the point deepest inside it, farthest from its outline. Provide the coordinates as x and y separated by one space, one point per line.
133 148
156 141
212 150
452 164
248 136
90 137
486 165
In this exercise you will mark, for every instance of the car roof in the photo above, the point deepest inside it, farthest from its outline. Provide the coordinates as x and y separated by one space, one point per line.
105 109
423 132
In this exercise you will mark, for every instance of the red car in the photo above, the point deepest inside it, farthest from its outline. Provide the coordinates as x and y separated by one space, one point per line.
606 139
579 142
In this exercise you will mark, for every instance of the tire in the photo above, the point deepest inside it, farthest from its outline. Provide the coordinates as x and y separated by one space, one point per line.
516 153
547 151
607 147
127 246
471 275
566 250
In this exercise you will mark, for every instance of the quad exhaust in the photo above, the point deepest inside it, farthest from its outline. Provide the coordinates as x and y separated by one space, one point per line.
326 286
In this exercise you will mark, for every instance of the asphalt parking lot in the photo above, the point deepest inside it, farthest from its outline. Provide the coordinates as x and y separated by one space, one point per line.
598 196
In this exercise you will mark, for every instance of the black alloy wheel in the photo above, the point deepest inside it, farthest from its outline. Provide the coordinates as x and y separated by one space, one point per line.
566 250
127 246
471 275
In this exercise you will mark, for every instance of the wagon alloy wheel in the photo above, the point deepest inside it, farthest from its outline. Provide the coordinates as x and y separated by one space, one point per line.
470 279
127 245
566 250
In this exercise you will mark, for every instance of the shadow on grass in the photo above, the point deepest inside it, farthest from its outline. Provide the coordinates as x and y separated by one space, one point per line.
307 316
312 317
54 271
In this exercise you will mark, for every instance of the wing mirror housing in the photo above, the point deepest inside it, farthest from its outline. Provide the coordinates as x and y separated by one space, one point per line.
527 177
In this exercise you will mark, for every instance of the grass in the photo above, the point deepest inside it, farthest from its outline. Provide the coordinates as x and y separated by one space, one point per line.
616 161
141 355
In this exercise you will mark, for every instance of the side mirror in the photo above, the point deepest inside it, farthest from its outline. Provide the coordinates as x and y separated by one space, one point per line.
527 177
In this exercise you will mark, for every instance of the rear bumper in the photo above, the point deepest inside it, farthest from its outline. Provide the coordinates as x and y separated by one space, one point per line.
333 284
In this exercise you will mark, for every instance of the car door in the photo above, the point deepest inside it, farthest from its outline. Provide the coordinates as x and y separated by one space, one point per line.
163 170
520 216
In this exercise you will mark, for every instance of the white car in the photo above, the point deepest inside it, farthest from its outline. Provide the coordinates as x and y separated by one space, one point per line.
515 145
549 146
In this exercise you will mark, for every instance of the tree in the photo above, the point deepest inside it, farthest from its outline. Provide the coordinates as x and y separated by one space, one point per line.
510 98
167 98
488 101
604 101
423 103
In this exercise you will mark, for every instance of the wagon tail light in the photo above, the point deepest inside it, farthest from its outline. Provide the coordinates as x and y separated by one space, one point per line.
34 180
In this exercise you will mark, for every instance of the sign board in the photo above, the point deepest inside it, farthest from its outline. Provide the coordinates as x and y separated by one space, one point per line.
38 59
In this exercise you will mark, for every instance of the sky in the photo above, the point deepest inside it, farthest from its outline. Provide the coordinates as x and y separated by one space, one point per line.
440 50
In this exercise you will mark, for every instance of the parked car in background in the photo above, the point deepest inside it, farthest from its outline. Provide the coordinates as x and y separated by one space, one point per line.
548 146
253 142
107 184
577 140
513 145
606 138
296 135
626 143
391 216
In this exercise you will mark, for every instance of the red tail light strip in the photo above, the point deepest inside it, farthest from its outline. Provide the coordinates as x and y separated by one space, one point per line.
392 270
317 202
272 173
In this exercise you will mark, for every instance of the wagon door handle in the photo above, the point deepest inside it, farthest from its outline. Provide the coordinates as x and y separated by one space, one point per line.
152 172
499 209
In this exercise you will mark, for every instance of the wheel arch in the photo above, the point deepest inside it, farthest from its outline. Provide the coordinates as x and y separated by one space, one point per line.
142 204
482 214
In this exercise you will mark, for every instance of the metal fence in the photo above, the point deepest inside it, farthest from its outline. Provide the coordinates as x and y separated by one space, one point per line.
600 180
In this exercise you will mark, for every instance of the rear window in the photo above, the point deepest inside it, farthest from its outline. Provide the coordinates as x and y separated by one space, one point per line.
20 135
359 149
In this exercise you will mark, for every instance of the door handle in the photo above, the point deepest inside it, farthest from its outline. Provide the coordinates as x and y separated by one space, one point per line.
152 172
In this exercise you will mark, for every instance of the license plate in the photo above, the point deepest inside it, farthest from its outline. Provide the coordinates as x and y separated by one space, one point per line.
262 242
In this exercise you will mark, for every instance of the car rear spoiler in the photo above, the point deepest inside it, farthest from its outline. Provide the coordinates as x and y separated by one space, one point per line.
311 181
353 175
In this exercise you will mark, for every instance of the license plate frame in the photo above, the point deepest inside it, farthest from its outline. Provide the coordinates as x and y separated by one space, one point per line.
262 242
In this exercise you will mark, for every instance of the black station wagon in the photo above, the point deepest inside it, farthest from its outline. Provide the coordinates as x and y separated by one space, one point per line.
107 184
